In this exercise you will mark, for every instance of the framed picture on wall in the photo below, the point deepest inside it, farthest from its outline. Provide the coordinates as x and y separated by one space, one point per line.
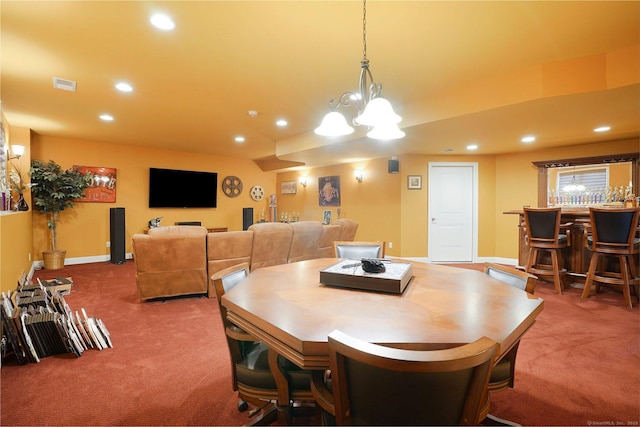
103 185
414 182
329 191
288 187
326 217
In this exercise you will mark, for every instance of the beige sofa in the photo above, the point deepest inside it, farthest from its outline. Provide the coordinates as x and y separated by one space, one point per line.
179 260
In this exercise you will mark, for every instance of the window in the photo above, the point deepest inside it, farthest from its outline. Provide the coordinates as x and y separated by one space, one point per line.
589 177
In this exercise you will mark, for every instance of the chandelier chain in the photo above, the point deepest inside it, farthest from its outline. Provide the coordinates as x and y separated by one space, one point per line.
364 29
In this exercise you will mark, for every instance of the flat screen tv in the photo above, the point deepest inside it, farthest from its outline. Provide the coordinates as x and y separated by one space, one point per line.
172 188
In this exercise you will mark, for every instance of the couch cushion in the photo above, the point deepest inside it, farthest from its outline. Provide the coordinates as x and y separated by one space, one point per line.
271 243
330 234
305 240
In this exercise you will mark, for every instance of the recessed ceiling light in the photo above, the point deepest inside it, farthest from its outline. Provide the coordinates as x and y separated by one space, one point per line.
162 22
281 122
106 117
472 147
527 139
602 129
124 87
239 138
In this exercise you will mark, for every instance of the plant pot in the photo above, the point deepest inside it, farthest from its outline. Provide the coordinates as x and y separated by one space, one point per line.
53 260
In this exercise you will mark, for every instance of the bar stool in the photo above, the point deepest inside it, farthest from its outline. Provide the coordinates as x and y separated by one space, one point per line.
613 235
543 235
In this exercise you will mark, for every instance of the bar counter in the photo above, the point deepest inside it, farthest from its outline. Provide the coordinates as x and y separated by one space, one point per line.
576 257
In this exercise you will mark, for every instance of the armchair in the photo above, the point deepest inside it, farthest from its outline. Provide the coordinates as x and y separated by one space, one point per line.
503 373
259 375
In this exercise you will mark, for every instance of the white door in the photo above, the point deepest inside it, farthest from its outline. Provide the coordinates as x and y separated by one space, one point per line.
452 212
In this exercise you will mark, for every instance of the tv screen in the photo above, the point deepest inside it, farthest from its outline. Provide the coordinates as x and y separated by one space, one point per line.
172 188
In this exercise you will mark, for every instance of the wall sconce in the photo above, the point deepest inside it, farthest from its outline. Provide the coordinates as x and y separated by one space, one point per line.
303 181
18 151
358 174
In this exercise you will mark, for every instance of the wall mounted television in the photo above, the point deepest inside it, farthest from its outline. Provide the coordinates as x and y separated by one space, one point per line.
172 188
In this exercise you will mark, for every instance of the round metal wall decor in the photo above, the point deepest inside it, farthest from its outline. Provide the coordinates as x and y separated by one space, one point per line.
257 193
232 186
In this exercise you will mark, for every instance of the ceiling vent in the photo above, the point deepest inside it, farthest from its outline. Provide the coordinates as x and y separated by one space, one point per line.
63 84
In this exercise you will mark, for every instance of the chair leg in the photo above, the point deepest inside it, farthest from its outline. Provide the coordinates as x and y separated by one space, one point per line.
531 260
592 271
624 271
557 281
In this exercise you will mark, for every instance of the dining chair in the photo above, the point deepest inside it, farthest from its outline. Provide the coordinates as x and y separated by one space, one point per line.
358 250
543 236
376 385
613 236
503 373
259 375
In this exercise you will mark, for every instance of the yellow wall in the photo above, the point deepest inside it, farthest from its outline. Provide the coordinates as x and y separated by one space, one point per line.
16 236
15 247
84 230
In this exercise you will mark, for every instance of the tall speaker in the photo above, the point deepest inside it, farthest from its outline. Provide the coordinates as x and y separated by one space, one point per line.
116 227
394 166
247 218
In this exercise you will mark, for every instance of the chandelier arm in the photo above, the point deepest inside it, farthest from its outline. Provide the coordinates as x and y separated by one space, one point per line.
346 99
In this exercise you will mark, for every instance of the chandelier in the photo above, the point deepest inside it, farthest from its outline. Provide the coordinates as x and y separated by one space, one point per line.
572 186
373 110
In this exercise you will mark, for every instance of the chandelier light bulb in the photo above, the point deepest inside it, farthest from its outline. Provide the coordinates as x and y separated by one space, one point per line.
386 132
378 112
334 124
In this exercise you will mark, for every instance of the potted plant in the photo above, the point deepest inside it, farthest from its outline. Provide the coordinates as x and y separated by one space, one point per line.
54 190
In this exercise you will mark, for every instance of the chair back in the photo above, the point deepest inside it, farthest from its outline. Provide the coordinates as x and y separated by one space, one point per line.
224 281
543 227
614 230
358 250
512 276
377 385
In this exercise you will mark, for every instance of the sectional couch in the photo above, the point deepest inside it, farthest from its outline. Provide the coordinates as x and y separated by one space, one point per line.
179 260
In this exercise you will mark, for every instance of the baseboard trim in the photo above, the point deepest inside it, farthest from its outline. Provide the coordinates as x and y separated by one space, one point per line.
481 260
39 265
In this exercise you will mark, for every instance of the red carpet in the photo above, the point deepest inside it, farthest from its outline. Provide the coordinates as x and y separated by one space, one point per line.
578 365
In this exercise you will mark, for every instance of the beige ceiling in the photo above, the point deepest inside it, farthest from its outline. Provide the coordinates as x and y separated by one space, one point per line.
458 72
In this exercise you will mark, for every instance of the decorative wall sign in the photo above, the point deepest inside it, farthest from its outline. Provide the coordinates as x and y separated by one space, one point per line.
103 185
231 186
257 193
288 187
329 191
414 182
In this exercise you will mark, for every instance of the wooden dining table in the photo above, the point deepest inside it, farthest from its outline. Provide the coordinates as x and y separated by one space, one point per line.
286 307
